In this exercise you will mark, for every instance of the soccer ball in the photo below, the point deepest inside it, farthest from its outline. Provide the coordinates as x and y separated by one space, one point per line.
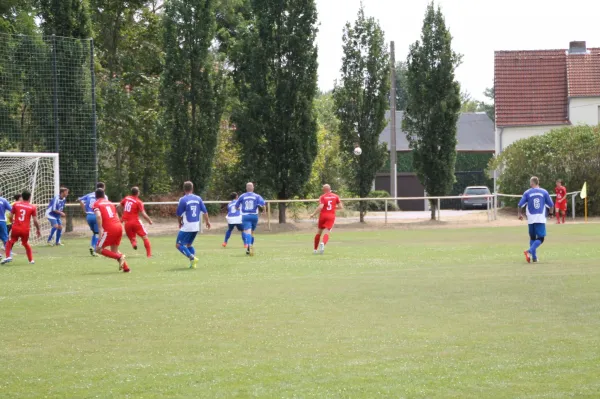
357 151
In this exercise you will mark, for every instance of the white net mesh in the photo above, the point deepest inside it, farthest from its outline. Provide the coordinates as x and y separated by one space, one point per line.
36 173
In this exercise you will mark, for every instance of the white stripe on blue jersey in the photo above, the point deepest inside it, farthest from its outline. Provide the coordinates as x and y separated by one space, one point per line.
536 200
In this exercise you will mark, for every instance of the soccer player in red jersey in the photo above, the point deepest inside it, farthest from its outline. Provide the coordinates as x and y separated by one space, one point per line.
132 207
561 201
22 213
328 203
110 230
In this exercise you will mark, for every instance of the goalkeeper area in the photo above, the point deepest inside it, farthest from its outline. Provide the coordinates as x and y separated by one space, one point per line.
416 313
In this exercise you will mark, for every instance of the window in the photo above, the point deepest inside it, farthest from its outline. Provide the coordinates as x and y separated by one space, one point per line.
477 191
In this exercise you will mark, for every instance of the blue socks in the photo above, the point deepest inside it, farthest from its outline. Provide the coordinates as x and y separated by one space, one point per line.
192 250
185 251
533 250
94 240
252 240
228 235
58 235
52 231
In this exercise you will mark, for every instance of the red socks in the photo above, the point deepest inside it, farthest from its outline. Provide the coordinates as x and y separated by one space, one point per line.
28 251
557 217
9 246
317 241
148 248
111 254
325 239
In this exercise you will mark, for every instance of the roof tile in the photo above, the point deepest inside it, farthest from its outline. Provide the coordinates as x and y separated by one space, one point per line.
583 72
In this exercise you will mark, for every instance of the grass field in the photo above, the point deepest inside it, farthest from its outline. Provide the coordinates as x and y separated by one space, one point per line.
435 313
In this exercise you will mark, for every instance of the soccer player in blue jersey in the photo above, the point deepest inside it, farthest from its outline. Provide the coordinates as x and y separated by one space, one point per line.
234 219
189 212
249 204
87 204
535 201
4 208
54 212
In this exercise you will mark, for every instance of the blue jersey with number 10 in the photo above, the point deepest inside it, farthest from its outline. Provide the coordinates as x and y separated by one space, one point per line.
190 208
249 203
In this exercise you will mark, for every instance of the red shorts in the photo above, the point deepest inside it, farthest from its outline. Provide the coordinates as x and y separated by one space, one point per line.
111 237
326 222
561 206
134 228
19 234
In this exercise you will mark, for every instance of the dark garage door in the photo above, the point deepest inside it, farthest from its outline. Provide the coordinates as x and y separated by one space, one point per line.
408 186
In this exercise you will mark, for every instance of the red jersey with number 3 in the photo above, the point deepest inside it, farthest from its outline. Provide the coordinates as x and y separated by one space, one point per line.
561 194
132 206
23 211
110 219
330 202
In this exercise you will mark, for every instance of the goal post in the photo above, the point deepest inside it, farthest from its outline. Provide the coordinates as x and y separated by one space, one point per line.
33 171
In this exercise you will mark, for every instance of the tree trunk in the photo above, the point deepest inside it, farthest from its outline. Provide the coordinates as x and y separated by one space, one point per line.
363 209
432 205
362 216
69 227
282 208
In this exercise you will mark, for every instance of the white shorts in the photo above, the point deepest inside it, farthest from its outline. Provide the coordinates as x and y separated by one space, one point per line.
234 220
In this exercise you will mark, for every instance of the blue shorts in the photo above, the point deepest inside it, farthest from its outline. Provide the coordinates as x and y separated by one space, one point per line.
92 222
249 222
186 237
54 221
3 232
537 230
233 226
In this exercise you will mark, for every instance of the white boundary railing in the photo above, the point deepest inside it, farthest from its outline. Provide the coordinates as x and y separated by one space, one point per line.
491 209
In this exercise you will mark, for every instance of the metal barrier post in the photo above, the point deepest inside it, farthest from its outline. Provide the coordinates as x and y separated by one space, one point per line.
495 206
439 209
268 216
386 210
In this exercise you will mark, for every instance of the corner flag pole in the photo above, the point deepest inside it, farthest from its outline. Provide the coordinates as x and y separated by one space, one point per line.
585 202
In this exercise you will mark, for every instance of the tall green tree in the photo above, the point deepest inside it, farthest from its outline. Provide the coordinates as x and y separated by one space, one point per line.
434 103
401 94
69 20
275 75
361 100
17 16
467 104
192 89
488 107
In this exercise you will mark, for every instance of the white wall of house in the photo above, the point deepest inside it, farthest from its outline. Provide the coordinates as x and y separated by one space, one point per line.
584 111
508 135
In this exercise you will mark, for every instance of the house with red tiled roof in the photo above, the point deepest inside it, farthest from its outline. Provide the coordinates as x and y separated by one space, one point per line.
540 90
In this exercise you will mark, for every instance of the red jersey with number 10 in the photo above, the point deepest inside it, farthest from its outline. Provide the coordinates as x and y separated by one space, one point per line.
329 202
561 194
110 219
132 206
23 211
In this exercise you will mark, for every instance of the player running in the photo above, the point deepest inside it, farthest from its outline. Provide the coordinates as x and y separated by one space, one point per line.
110 230
54 212
22 212
5 210
249 203
535 200
328 204
234 219
189 210
561 201
87 204
132 206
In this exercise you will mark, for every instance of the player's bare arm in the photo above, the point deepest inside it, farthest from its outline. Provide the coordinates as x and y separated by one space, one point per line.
83 206
180 220
340 205
146 217
99 222
318 210
36 223
520 213
206 220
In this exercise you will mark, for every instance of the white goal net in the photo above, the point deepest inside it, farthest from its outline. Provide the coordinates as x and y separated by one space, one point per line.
36 172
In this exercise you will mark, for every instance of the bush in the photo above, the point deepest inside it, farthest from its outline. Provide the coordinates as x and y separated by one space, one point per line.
377 206
570 153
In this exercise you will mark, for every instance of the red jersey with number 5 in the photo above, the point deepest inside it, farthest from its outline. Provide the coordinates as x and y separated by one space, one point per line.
23 211
110 219
132 206
329 202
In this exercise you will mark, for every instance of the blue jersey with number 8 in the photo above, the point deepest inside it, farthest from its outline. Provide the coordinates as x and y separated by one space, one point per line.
249 203
190 208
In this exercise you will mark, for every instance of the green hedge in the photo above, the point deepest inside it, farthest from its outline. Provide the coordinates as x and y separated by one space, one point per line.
569 153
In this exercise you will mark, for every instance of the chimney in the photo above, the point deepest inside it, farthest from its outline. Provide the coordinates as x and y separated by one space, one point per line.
577 48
